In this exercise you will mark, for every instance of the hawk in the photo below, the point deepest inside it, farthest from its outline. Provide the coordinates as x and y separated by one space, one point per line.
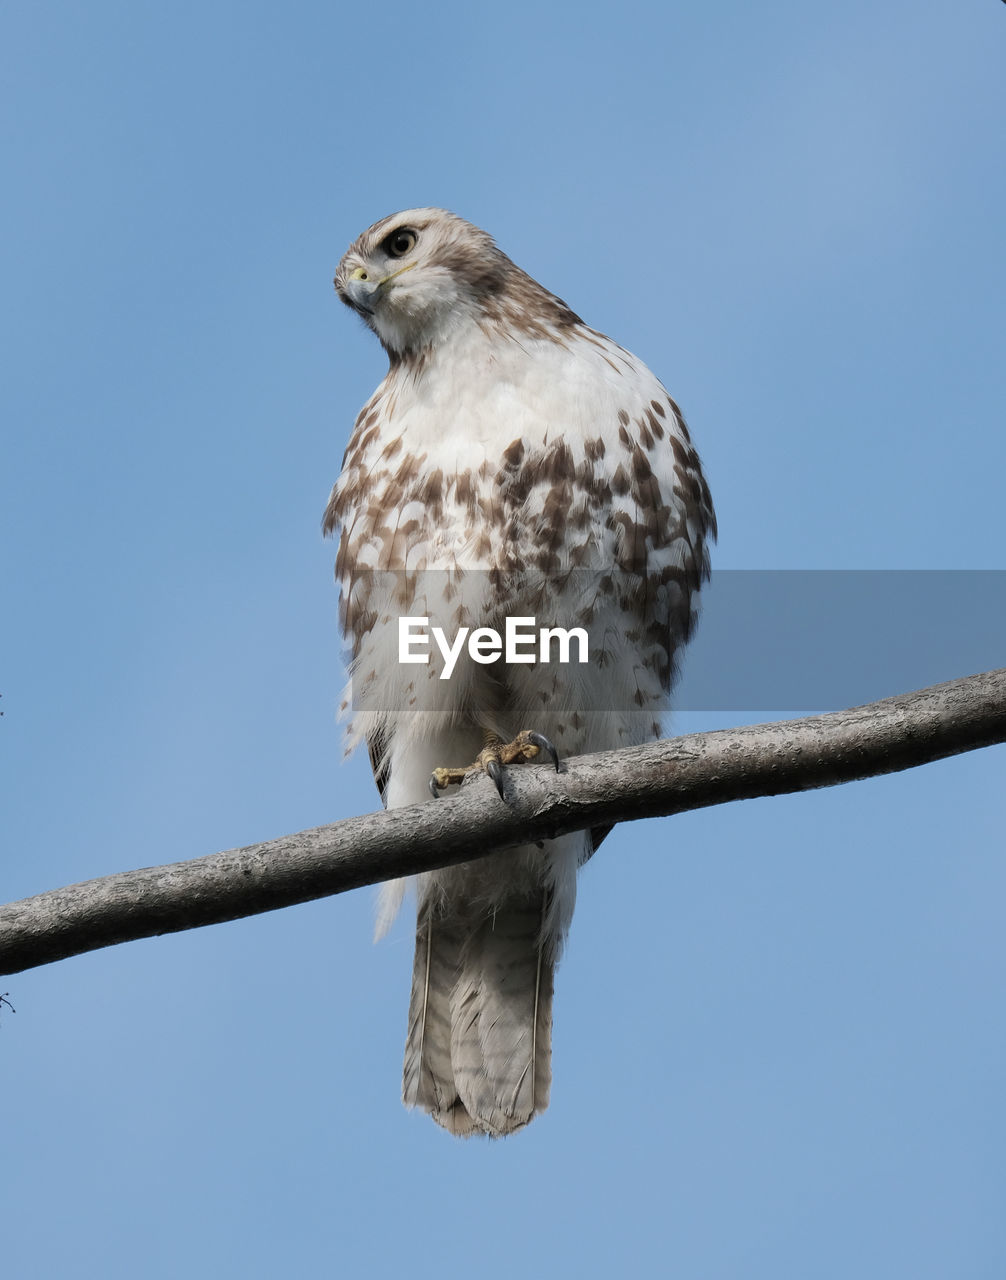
513 463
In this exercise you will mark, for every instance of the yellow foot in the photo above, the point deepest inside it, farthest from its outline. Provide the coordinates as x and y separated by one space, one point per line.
491 760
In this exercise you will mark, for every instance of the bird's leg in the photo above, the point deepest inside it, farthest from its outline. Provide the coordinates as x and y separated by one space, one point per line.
494 756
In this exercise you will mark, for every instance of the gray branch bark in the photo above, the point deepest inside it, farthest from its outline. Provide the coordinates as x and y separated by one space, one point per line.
661 778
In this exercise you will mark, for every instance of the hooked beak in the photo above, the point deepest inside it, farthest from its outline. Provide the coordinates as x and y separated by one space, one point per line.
360 289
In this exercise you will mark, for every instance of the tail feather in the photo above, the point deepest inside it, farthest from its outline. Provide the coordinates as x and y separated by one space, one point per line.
478 1053
501 1020
427 1078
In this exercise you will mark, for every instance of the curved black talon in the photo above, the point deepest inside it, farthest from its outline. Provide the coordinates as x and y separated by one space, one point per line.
495 771
542 743
434 789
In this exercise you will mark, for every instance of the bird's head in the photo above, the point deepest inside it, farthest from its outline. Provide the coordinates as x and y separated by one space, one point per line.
419 276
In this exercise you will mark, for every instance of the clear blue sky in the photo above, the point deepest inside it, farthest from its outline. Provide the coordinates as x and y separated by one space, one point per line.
780 1038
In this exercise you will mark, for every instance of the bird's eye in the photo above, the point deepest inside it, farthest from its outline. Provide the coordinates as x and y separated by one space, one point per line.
400 242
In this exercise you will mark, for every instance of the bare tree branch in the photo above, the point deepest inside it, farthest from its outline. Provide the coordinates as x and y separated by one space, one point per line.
660 778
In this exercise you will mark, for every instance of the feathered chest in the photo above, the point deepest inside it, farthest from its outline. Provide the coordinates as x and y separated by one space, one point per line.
548 454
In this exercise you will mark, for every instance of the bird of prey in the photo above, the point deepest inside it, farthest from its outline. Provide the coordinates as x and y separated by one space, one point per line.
513 464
